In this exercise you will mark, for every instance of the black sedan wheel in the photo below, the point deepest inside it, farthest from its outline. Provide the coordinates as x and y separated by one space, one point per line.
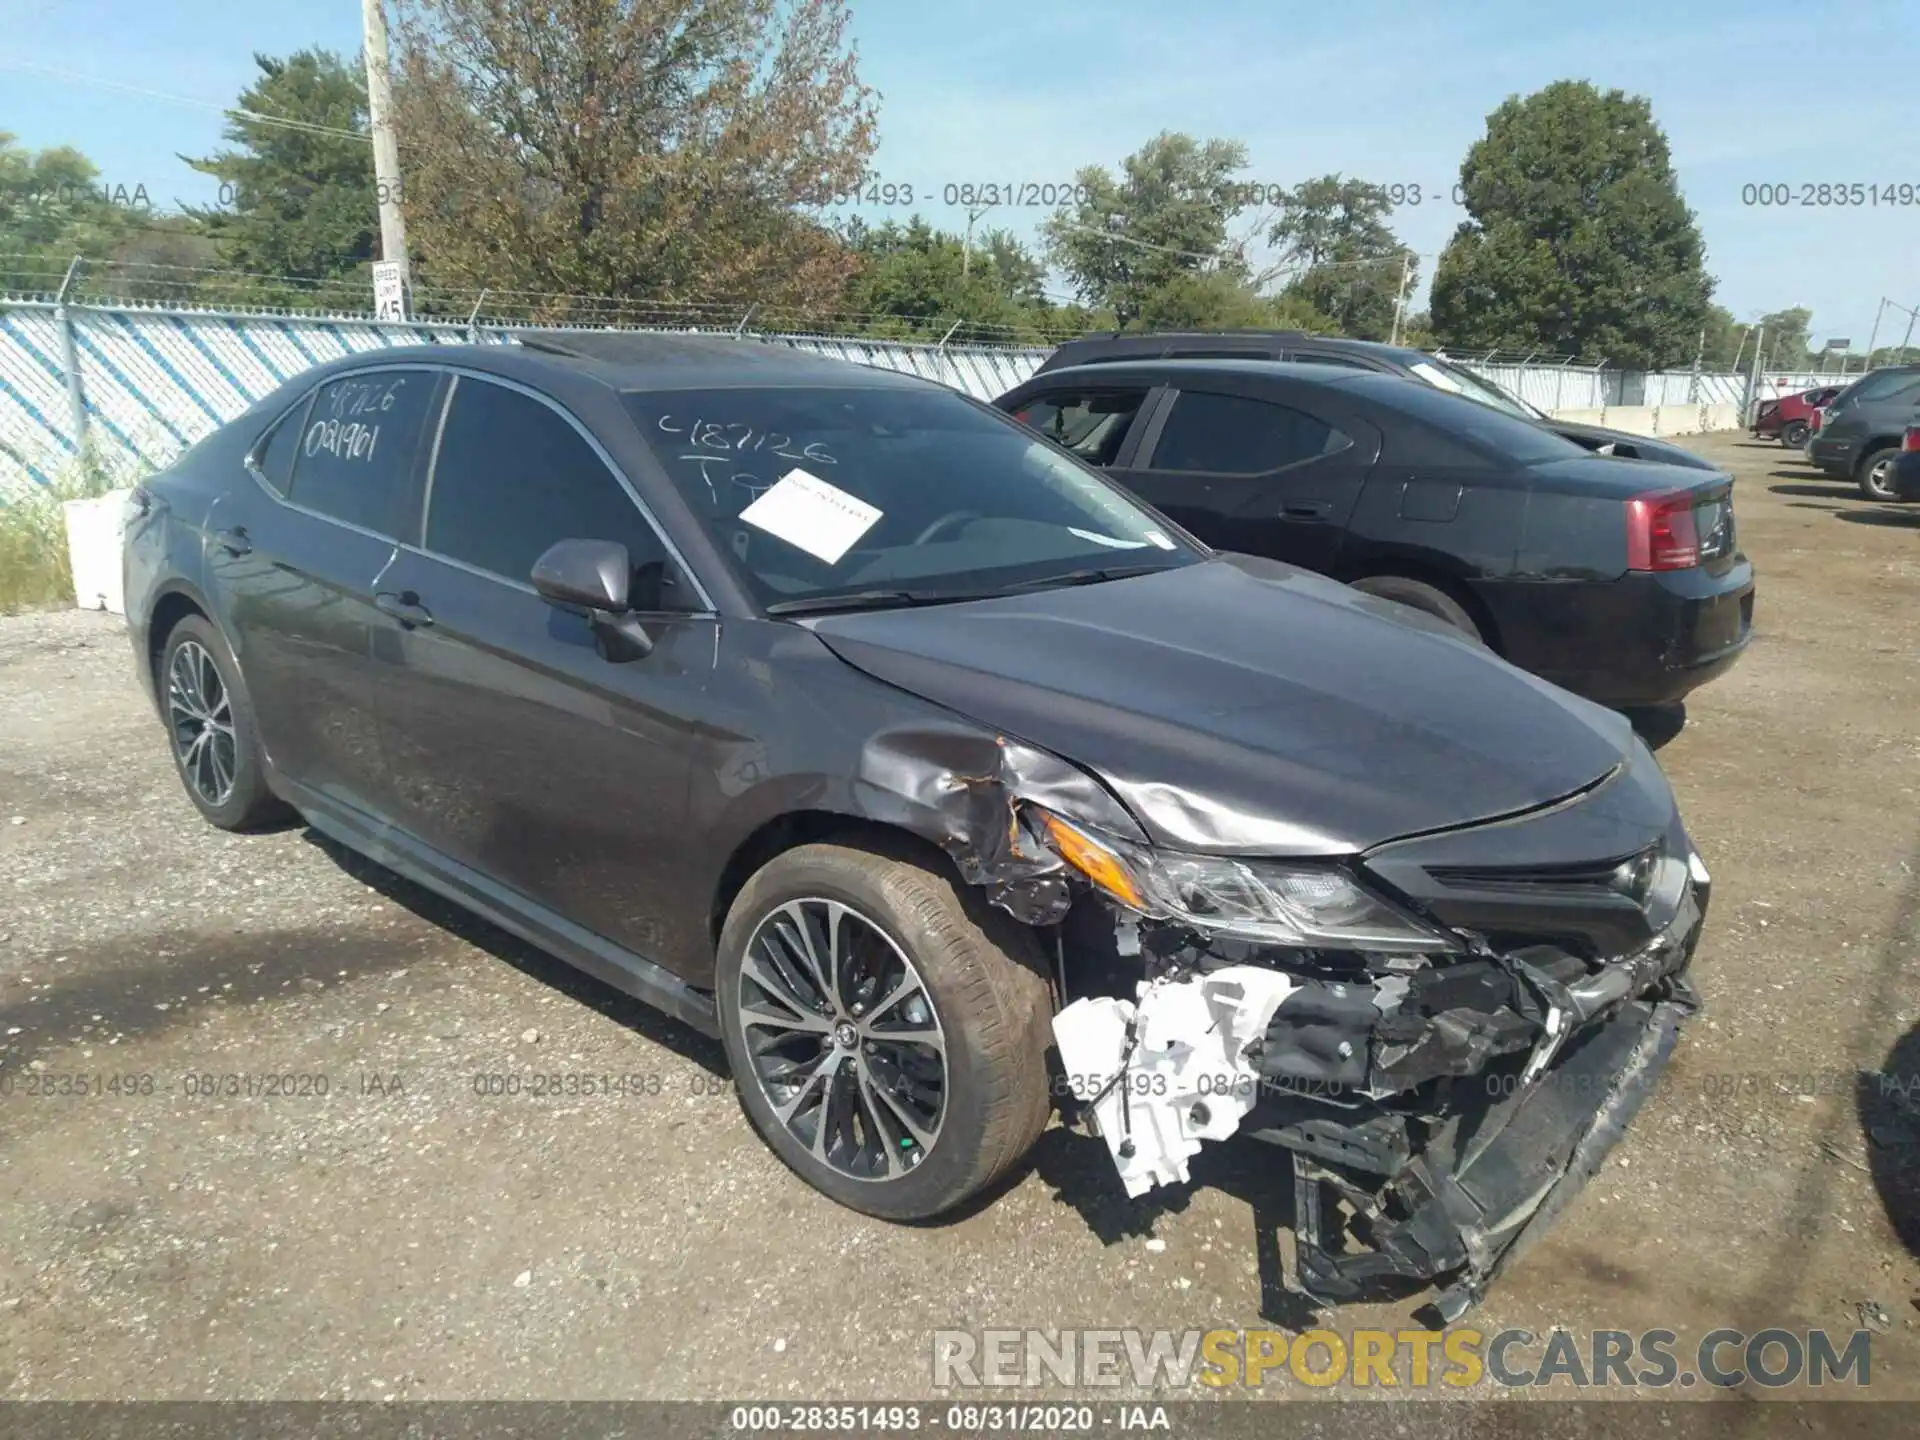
210 721
1421 596
1876 475
887 1032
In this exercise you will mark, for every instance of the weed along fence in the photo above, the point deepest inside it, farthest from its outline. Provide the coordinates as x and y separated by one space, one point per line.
94 396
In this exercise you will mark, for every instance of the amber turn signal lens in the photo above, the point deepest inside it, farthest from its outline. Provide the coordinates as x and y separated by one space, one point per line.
1093 860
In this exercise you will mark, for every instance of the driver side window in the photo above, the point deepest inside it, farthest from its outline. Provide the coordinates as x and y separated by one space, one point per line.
1092 424
512 476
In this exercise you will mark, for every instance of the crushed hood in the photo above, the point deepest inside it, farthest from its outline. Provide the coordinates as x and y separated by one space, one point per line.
1245 706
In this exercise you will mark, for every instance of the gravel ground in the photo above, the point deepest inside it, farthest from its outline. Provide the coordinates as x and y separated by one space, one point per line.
401 1236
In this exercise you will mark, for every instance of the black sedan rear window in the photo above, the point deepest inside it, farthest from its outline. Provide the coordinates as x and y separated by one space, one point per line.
1505 436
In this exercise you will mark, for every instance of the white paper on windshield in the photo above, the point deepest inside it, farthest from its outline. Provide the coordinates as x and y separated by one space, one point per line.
1436 377
1158 539
811 515
1111 541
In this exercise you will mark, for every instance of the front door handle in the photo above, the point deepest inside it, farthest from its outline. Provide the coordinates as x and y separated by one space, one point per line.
234 541
1307 509
404 607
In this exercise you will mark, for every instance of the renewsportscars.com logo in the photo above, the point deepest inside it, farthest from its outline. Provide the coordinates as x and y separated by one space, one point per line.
1458 1358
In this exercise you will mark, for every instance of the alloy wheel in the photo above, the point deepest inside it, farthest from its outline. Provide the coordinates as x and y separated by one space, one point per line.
200 714
843 1039
1880 478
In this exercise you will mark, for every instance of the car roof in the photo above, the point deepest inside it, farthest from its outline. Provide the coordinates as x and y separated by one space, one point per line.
1149 367
1110 347
631 360
1379 387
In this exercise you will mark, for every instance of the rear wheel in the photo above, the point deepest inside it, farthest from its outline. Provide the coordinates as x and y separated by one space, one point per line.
1794 434
209 716
1422 596
1875 474
887 1029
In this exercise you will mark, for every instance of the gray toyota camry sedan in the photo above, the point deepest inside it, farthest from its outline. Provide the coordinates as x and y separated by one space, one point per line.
838 715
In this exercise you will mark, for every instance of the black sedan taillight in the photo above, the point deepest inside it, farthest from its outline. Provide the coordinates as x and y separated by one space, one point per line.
1662 533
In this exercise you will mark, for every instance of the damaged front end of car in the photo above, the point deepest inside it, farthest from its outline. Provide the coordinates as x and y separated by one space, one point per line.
1447 1033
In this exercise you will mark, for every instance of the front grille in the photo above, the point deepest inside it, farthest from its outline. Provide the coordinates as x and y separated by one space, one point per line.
1532 880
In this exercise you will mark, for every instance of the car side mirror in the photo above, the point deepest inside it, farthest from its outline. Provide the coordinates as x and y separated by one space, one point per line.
595 576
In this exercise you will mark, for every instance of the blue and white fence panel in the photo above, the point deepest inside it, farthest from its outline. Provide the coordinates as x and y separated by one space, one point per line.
153 381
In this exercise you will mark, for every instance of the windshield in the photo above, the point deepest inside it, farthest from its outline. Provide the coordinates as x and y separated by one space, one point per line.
864 492
1456 381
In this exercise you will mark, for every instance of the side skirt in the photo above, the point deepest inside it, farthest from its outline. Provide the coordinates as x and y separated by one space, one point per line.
515 913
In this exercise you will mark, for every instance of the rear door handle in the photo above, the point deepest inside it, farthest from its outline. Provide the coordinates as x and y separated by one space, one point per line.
404 607
1307 509
234 541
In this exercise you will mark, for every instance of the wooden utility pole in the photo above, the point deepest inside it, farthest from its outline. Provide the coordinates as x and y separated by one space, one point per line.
966 246
1400 299
386 149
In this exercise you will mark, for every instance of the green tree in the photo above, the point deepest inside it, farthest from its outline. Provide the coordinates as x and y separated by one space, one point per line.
1726 340
1163 219
1416 330
1218 300
1577 238
667 149
52 207
916 281
1784 339
1203 300
1334 231
297 187
1020 272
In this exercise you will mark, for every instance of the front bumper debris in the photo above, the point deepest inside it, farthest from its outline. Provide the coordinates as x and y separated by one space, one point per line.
1161 1076
1438 1116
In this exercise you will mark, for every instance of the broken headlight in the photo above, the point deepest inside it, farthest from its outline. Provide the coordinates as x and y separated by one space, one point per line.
1311 906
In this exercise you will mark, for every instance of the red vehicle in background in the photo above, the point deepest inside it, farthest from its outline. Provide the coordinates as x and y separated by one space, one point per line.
1790 418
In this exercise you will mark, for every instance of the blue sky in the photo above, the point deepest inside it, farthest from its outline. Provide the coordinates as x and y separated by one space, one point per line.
1390 92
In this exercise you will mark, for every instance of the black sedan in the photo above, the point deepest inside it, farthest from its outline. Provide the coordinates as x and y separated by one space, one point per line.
1619 579
838 715
1304 348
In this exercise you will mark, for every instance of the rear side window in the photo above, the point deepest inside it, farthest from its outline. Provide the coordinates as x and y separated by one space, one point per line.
1234 435
358 446
512 475
273 459
1091 424
1471 424
1886 385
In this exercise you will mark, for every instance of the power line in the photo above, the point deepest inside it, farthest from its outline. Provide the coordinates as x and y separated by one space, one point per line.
305 126
1142 244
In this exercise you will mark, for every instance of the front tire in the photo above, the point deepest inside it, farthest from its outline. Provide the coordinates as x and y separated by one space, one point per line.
1875 474
214 739
887 1029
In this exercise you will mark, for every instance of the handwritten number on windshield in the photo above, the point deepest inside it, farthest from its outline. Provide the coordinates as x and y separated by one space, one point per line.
720 435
